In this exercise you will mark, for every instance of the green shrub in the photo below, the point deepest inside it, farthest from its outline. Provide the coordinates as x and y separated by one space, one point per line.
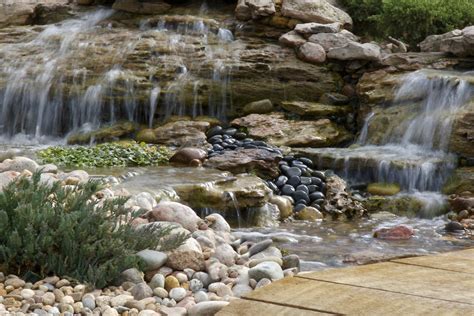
49 229
410 20
106 155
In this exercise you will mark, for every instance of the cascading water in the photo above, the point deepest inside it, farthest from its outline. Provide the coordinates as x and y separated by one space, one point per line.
84 72
414 154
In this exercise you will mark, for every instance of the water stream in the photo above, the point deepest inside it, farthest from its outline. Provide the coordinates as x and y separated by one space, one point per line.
83 73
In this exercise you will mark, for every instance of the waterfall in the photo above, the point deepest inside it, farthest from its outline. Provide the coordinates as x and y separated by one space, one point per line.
83 73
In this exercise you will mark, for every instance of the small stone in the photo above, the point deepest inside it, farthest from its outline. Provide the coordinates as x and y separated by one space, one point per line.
260 246
139 305
400 232
158 280
62 283
141 291
27 293
220 289
160 292
58 294
67 300
181 277
241 289
118 300
201 296
49 298
203 277
454 227
291 261
195 285
171 282
153 259
177 294
173 311
110 312
15 282
132 275
88 300
269 270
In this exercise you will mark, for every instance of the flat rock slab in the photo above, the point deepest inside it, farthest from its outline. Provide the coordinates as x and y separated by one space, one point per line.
412 286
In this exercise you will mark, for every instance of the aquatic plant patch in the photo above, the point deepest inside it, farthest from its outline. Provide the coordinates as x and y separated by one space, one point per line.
106 155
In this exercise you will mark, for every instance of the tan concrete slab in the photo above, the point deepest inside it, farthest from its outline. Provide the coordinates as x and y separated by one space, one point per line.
349 300
443 262
405 279
255 308
465 254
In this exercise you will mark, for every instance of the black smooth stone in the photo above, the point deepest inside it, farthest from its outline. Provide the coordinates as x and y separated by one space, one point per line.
238 143
316 206
250 146
453 227
260 143
292 172
212 154
230 146
216 138
299 207
216 130
307 172
284 168
312 188
302 202
240 135
281 163
294 181
308 162
300 195
323 188
217 147
287 190
319 201
226 137
248 140
297 163
281 181
306 180
263 147
319 174
316 181
288 158
316 196
230 131
231 140
303 188
272 186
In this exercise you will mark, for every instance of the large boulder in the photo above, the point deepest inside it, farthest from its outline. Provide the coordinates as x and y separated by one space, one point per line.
174 212
179 133
247 160
456 42
19 164
261 8
333 40
275 129
320 11
356 51
142 7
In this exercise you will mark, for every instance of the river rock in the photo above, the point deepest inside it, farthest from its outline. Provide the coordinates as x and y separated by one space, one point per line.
153 259
260 246
242 11
188 255
241 289
178 133
141 291
315 109
291 261
400 232
141 7
315 28
18 164
7 177
188 154
312 53
260 107
356 51
456 42
177 294
225 254
247 160
333 40
383 189
207 308
275 129
320 11
132 275
174 212
284 204
309 214
270 270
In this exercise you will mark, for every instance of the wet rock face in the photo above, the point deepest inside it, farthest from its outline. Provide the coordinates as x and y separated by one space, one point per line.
21 12
142 7
275 129
462 136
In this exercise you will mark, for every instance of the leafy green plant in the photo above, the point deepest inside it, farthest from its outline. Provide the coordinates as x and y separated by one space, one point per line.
106 155
410 20
50 229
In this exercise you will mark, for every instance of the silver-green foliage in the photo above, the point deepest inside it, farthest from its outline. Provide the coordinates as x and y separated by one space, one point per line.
53 230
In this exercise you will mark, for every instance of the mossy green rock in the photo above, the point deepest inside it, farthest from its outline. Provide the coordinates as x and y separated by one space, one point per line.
383 189
461 180
104 134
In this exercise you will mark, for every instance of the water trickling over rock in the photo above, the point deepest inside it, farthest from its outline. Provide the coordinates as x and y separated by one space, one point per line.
410 148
